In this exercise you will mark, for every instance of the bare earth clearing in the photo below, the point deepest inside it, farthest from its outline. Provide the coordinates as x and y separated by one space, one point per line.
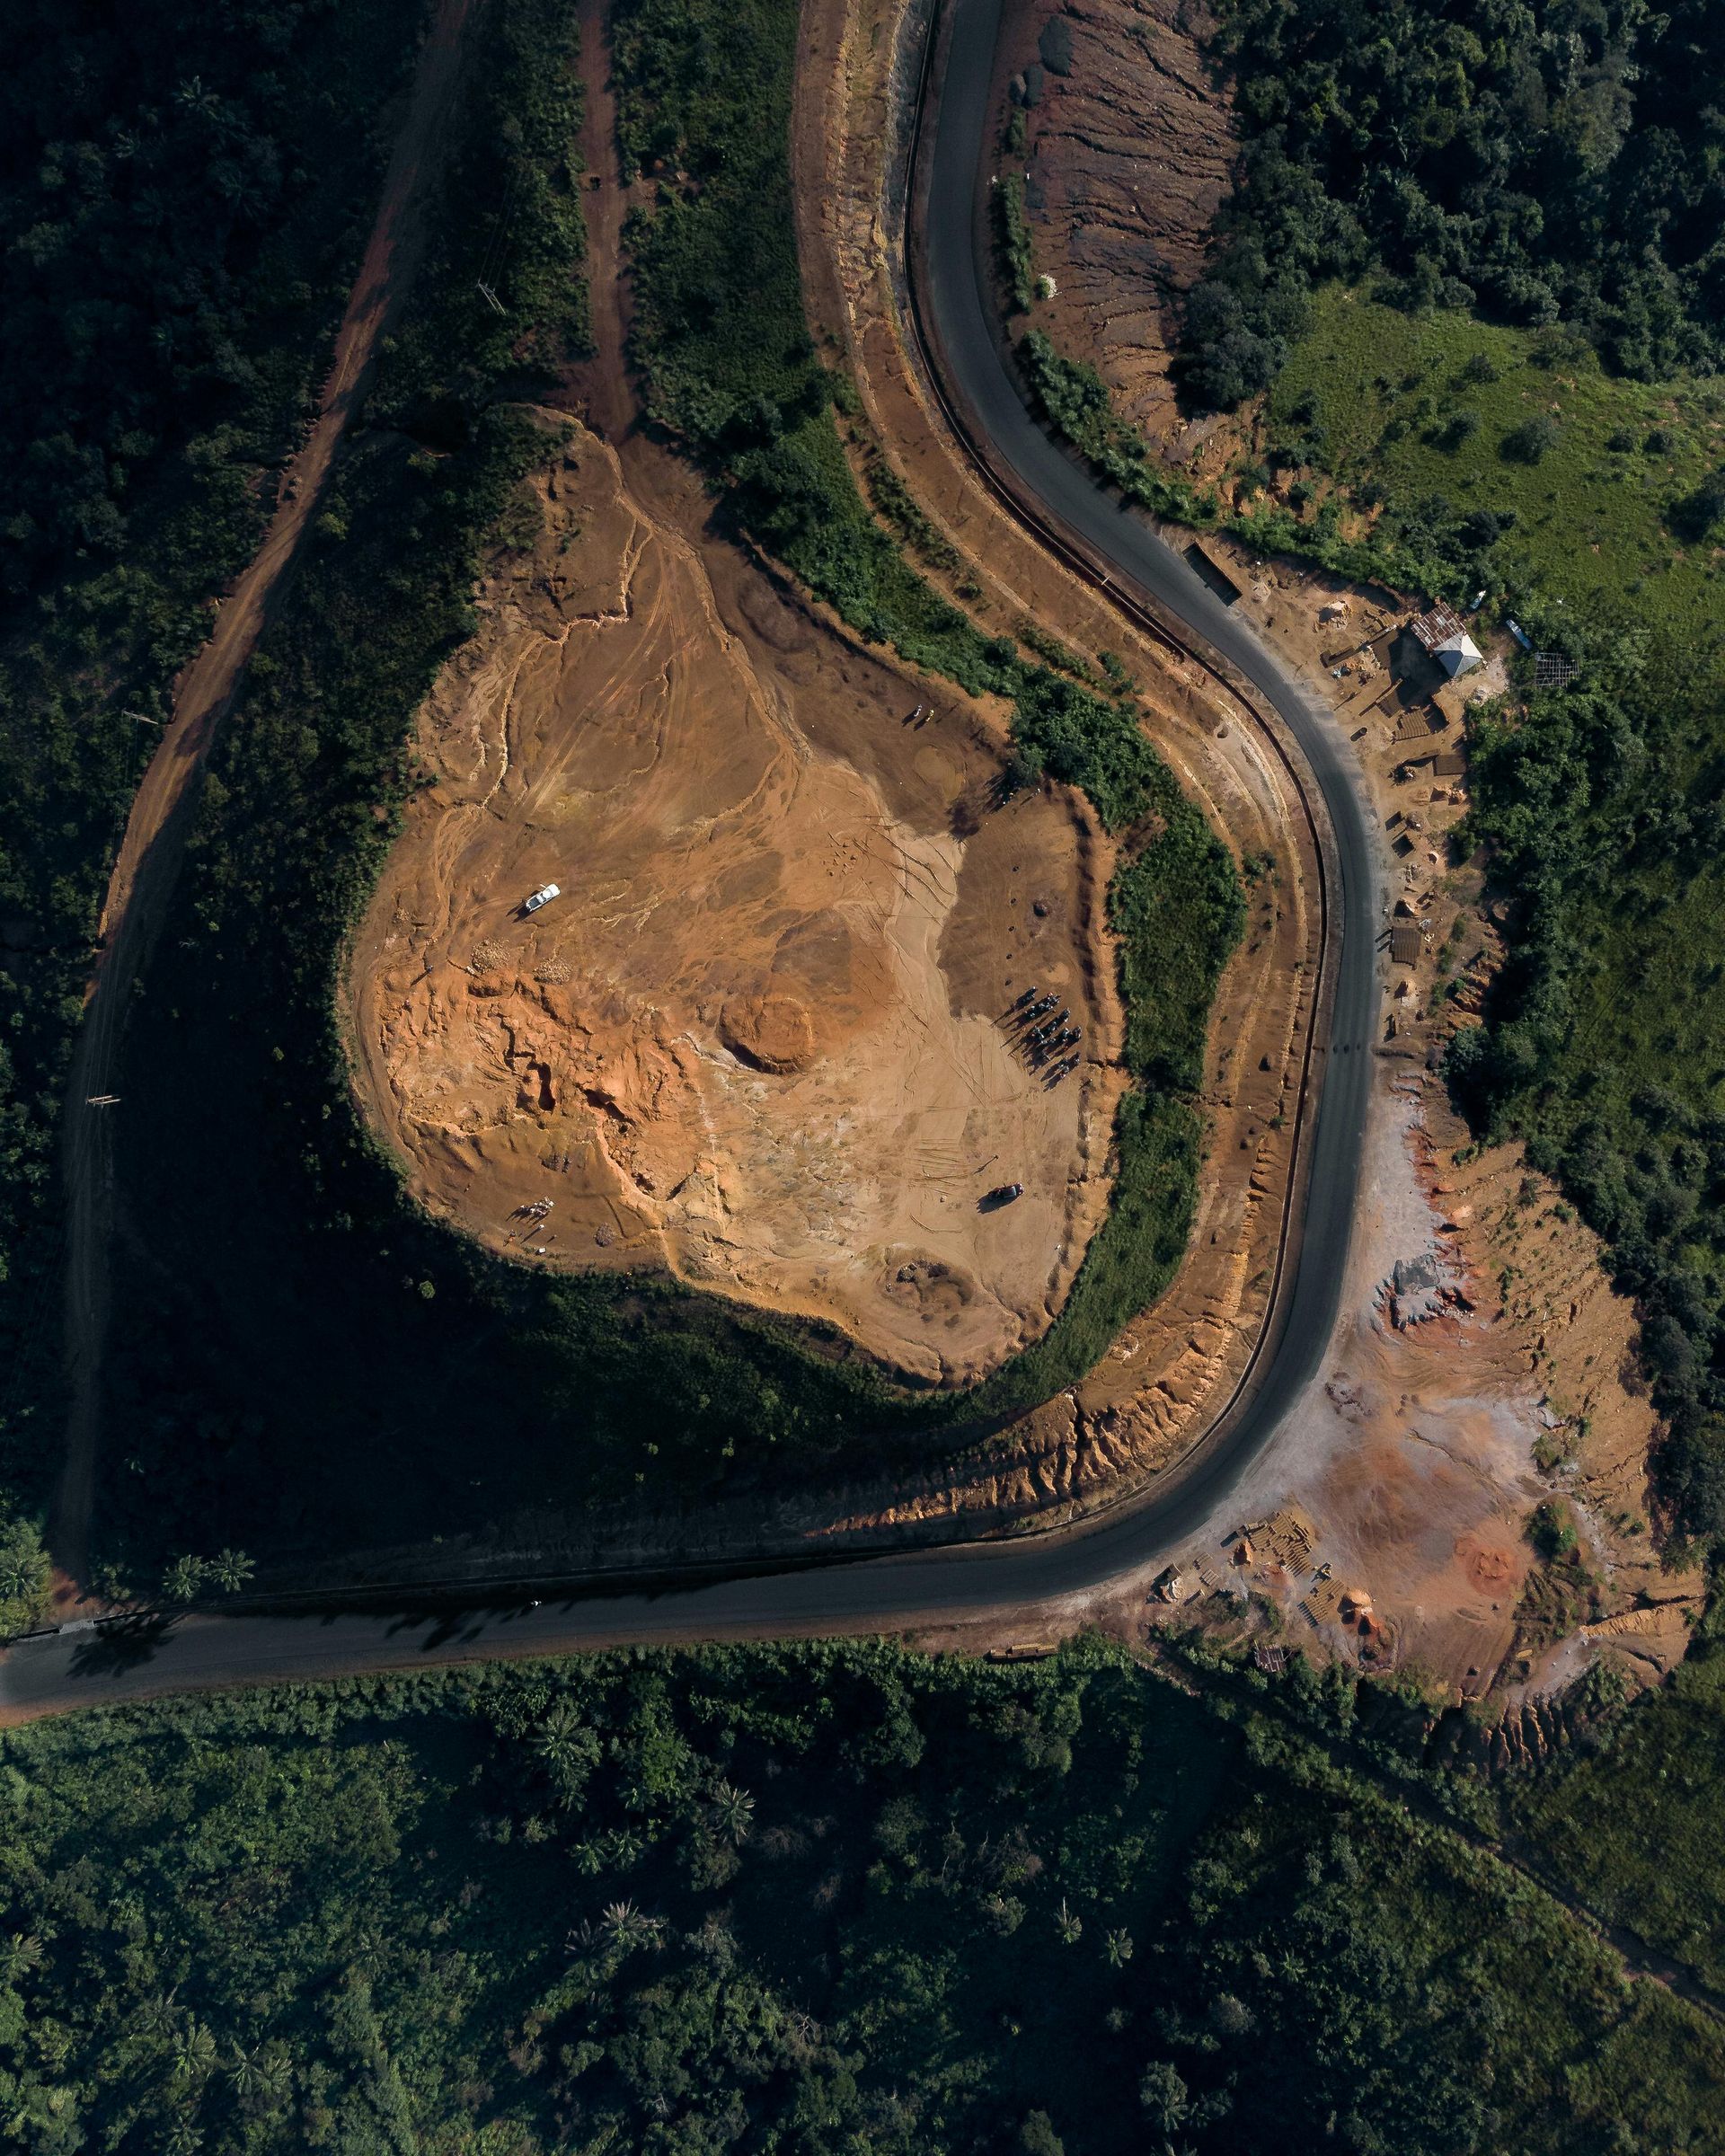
1131 153
760 1040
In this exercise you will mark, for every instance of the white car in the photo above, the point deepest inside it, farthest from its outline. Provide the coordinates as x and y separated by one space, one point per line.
542 896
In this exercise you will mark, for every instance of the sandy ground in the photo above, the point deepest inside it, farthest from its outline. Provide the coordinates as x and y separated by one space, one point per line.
1445 1414
765 1038
147 866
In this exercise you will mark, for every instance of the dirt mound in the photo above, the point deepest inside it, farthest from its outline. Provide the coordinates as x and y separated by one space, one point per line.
934 1290
774 1031
760 1036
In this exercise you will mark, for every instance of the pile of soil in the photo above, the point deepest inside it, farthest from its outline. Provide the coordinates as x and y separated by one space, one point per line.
762 1036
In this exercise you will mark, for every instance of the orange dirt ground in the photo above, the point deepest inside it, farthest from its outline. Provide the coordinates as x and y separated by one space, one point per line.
758 1039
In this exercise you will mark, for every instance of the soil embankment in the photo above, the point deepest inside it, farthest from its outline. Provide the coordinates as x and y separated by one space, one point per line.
1130 152
762 1039
147 866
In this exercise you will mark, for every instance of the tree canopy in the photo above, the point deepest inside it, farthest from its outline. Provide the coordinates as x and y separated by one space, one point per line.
1534 159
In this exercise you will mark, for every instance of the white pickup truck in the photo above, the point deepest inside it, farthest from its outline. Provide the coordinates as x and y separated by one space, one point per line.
542 896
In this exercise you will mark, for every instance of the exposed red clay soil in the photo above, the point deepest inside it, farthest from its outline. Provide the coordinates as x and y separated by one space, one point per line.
760 1037
1130 157
1496 1369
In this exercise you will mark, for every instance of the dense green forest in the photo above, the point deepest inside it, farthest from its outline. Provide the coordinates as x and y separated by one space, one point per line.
1536 160
183 194
820 1899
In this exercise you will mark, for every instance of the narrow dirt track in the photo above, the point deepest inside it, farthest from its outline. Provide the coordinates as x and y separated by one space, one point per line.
148 862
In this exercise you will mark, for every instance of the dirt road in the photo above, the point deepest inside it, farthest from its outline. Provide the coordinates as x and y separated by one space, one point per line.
149 863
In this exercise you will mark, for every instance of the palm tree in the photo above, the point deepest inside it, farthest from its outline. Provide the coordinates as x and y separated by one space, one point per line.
1118 1946
1164 2095
193 2052
157 2017
733 1812
182 1580
261 2078
23 1568
231 1570
628 1927
568 1747
1071 1928
21 1953
193 96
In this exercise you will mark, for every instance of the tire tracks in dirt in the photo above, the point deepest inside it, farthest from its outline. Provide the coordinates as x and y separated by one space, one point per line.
146 868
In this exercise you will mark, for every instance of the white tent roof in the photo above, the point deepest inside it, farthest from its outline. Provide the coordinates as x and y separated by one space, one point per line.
1459 654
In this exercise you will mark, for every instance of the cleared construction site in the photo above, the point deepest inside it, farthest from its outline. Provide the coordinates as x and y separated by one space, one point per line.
770 1035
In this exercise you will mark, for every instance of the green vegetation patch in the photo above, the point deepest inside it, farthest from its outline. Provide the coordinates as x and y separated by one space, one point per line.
825 1898
184 194
1012 236
1425 414
1530 160
1633 1824
1603 804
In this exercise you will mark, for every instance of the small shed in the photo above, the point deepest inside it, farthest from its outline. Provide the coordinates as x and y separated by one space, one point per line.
1458 654
1451 765
1406 944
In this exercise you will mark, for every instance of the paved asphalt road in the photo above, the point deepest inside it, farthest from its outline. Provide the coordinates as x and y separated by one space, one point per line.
57 1673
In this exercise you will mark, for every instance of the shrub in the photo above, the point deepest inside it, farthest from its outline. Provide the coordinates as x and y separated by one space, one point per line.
1533 440
1697 517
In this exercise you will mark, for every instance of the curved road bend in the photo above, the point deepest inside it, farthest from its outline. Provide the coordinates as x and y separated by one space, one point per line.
58 1672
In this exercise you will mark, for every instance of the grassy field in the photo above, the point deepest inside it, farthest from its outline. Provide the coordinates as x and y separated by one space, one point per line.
1634 1827
1645 999
1401 404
